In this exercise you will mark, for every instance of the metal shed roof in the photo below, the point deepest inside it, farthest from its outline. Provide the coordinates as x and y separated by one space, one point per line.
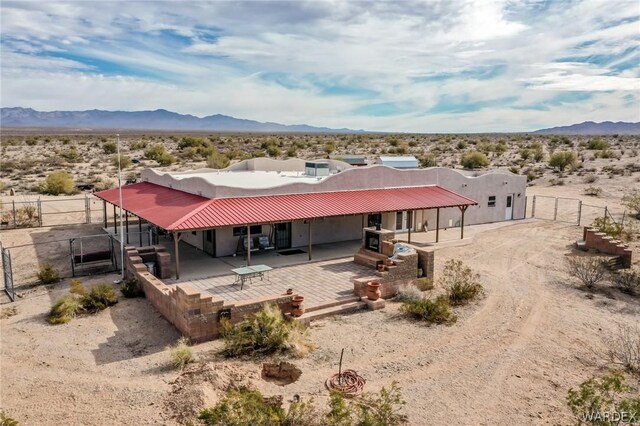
176 210
405 162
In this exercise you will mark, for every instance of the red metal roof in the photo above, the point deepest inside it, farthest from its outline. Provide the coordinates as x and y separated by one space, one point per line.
176 210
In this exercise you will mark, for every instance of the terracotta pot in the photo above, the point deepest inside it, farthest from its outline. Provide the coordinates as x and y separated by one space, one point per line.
296 301
373 290
297 312
388 262
381 267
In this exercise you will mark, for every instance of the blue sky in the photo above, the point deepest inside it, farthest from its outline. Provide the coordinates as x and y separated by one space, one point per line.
434 66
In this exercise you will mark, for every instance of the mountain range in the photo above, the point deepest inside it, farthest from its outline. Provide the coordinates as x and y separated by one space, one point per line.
162 119
592 128
159 119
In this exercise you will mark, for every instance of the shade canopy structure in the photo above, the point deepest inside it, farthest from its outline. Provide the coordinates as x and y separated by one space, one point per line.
179 211
175 210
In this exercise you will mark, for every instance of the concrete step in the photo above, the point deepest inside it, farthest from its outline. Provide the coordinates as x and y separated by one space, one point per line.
336 302
345 308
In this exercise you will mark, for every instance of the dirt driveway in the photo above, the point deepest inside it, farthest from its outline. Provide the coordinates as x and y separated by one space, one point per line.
509 359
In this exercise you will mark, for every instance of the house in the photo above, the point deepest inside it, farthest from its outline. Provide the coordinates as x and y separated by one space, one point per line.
400 162
298 203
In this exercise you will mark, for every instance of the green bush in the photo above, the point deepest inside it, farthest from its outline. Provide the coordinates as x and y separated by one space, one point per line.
461 283
159 154
474 160
76 287
64 310
597 399
100 297
217 160
48 274
57 183
124 161
436 311
563 159
241 407
597 144
428 160
5 420
109 147
631 200
607 226
424 284
264 332
181 354
130 288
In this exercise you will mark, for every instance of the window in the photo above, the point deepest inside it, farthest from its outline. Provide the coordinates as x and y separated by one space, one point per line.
492 201
374 219
242 230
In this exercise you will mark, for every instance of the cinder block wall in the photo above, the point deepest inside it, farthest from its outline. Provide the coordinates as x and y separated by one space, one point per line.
605 244
194 314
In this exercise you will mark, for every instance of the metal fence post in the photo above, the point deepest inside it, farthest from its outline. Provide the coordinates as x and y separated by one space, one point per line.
555 210
15 224
579 212
39 211
606 210
533 207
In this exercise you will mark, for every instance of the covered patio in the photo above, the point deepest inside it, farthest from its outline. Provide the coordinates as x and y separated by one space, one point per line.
179 212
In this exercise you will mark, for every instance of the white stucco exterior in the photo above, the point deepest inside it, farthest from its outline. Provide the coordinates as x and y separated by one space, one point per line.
264 176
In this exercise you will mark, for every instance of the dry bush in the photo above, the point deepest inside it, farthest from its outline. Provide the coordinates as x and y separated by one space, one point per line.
436 311
48 274
593 191
408 293
589 270
624 347
628 281
424 284
180 353
6 420
461 283
64 310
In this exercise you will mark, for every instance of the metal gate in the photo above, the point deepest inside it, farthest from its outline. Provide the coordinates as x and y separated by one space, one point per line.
7 273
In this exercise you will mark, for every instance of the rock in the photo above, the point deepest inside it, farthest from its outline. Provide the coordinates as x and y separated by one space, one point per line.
282 373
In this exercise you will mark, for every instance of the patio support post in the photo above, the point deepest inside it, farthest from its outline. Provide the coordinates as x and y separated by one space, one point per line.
462 209
410 220
126 224
309 249
140 229
104 213
115 223
437 224
248 245
176 241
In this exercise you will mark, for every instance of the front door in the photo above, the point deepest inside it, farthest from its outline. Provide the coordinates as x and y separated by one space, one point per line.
283 235
209 242
509 212
401 221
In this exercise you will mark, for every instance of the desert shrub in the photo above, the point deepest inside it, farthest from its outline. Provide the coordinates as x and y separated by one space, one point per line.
273 151
628 281
71 155
159 154
292 151
597 399
474 160
130 288
424 284
217 160
408 293
249 407
563 159
243 407
27 216
626 232
631 200
461 283
64 310
109 147
125 161
264 332
180 353
593 191
597 144
590 178
531 175
588 270
136 145
77 287
31 141
525 154
428 160
191 142
48 274
99 297
57 183
6 420
437 311
624 347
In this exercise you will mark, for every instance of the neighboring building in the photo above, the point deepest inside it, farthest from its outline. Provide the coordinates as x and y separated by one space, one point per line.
296 203
354 160
404 162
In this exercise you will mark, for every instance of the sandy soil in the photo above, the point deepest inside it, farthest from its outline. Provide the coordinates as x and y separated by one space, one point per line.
509 359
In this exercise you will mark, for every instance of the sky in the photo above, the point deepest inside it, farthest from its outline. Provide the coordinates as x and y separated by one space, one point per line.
403 66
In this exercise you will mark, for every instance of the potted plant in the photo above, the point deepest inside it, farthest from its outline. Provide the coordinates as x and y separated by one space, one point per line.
388 262
373 290
296 305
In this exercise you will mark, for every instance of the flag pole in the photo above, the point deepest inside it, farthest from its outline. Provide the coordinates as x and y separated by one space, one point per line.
121 209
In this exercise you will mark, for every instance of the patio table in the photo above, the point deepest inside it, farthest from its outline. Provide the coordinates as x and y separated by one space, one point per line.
248 272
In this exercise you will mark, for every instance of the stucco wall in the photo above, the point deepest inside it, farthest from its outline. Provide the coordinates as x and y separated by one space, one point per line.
193 240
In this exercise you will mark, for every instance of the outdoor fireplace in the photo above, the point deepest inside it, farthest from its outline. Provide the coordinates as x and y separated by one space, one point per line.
372 241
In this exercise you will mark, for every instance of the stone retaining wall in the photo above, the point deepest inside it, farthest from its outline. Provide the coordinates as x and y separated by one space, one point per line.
195 315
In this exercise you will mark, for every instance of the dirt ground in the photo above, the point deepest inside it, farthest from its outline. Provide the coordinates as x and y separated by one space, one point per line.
509 359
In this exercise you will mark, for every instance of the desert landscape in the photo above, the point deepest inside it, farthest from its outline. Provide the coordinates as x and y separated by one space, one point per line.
511 356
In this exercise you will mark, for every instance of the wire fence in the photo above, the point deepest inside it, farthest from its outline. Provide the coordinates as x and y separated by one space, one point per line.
568 210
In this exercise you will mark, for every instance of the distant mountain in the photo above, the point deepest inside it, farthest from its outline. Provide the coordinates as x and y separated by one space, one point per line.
159 119
591 128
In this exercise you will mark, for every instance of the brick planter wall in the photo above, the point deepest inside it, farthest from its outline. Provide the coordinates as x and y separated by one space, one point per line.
605 244
194 314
